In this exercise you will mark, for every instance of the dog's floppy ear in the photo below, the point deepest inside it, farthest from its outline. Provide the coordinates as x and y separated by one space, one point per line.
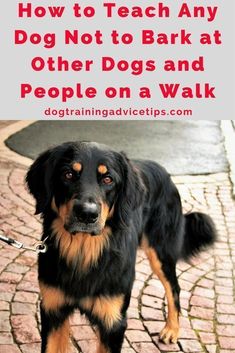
38 180
132 190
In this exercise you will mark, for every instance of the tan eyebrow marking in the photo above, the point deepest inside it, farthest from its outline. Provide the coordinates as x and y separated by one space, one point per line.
77 166
102 169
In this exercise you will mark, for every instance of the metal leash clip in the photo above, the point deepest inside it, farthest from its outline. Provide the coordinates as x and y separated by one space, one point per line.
39 247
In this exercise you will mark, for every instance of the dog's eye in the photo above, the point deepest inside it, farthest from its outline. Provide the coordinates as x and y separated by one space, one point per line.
107 180
68 175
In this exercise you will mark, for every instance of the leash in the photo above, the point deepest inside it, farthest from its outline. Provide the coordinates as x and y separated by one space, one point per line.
39 247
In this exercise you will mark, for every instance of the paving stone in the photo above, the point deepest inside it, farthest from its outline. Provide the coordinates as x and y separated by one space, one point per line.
225 330
142 347
150 301
31 348
4 261
224 290
7 287
212 348
196 271
154 327
4 306
206 283
25 329
25 297
203 292
4 322
154 291
226 319
187 333
125 343
18 321
81 332
77 319
17 268
135 293
5 338
185 294
22 308
28 287
24 230
159 290
189 277
10 277
202 313
184 322
14 222
9 253
202 302
138 284
184 303
134 302
166 347
222 264
141 276
207 338
184 266
137 336
27 335
190 346
225 309
134 324
4 296
88 346
31 276
25 260
185 285
133 313
203 325
224 299
227 342
227 282
151 314
9 348
184 312
142 268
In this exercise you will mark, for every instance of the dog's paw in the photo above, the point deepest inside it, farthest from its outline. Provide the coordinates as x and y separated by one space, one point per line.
169 334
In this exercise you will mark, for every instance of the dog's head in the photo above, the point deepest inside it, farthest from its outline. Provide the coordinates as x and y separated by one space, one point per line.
85 184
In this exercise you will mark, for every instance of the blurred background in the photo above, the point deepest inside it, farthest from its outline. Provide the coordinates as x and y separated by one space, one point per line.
183 147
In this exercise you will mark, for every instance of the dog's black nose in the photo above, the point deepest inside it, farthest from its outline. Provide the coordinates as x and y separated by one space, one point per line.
86 212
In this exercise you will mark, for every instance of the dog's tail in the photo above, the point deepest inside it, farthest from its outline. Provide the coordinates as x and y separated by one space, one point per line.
200 233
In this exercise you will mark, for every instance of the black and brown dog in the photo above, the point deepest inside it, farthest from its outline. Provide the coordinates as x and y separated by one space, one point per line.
97 208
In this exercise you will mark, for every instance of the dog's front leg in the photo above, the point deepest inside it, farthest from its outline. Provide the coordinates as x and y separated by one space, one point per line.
112 324
110 340
55 330
55 313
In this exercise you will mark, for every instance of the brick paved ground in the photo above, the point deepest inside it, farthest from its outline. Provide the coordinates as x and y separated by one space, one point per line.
207 296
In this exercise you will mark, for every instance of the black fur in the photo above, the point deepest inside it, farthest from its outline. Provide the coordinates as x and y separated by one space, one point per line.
144 201
199 233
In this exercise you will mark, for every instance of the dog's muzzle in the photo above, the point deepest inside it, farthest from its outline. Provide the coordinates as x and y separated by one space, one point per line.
84 218
86 212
